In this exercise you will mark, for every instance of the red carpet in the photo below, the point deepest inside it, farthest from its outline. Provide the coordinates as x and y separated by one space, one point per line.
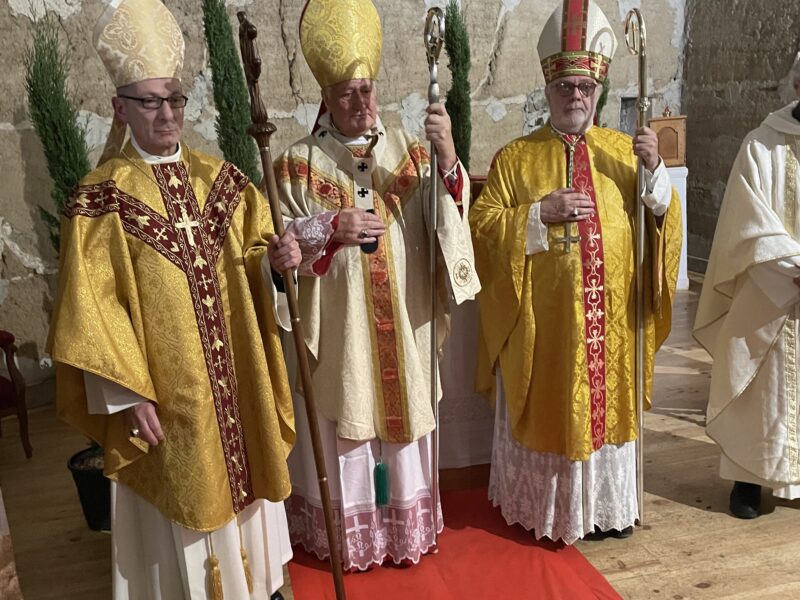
480 557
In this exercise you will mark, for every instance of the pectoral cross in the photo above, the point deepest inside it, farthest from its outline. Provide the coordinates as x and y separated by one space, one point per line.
568 238
188 225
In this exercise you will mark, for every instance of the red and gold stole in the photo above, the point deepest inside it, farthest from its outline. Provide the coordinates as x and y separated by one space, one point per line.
579 178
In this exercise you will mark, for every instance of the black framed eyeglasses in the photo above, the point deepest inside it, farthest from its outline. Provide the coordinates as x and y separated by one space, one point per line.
155 102
565 89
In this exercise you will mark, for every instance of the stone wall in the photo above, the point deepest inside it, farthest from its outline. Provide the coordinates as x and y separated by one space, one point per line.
507 101
738 54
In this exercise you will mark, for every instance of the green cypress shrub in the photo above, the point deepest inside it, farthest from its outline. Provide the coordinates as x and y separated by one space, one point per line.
458 105
54 117
231 96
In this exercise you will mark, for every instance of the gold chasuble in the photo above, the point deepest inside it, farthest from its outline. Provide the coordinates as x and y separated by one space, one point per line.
560 323
161 292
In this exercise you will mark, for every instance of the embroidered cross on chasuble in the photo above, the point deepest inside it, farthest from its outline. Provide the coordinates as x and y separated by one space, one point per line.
590 241
173 237
181 272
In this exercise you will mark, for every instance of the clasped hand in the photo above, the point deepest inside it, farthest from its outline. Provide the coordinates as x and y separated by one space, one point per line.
565 205
357 226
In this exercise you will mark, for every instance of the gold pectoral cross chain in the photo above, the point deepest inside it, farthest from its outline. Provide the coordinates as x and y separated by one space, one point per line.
568 238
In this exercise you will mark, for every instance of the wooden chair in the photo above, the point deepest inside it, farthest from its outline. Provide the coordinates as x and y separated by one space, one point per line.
12 391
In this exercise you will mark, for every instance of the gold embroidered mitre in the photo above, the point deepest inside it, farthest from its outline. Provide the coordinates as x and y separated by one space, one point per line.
341 40
576 40
138 40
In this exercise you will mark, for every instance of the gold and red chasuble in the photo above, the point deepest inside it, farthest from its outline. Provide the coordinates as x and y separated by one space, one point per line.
558 323
191 240
155 294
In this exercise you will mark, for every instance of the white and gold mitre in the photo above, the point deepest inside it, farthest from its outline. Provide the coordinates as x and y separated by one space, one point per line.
576 40
341 40
138 40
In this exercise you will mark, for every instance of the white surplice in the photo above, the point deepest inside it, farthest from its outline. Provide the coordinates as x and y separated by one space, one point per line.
748 314
556 497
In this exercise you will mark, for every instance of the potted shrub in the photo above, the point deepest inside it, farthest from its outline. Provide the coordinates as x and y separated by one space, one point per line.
55 121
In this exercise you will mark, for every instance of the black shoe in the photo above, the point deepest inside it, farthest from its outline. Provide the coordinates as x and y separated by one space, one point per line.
621 534
745 500
276 596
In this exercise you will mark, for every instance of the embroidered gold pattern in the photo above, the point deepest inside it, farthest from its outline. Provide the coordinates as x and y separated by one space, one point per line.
790 327
192 242
592 261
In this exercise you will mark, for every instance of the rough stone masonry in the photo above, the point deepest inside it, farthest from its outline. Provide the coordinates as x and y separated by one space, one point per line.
506 85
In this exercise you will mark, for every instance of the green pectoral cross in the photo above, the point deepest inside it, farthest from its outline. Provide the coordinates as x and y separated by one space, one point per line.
568 238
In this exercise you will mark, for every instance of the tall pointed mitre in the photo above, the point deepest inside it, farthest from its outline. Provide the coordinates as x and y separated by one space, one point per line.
576 40
341 40
137 40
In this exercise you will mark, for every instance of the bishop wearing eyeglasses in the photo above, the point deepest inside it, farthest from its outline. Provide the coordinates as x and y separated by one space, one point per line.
165 342
553 232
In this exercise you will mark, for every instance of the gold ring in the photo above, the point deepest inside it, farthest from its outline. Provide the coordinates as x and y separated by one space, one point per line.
362 234
135 432
575 212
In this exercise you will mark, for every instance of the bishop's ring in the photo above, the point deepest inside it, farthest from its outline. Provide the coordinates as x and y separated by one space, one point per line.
362 234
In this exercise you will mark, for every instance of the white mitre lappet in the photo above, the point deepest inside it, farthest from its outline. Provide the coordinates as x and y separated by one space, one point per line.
137 40
576 40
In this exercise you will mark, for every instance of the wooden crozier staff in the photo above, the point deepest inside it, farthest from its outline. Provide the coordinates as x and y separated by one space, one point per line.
635 39
434 37
261 129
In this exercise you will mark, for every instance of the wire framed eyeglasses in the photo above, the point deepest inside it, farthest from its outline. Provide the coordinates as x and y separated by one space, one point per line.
155 102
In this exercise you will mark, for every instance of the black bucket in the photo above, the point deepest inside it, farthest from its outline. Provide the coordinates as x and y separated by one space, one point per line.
94 490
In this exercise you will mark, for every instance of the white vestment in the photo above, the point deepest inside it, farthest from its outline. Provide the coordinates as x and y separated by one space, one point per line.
556 497
367 330
748 314
156 559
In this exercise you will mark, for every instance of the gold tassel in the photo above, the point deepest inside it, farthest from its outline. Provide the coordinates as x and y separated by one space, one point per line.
216 579
247 575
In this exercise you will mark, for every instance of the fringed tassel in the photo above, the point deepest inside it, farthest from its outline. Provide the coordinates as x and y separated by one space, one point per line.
215 575
381 483
248 576
215 583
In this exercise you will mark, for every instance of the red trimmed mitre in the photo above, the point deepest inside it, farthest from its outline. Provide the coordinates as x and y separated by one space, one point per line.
576 40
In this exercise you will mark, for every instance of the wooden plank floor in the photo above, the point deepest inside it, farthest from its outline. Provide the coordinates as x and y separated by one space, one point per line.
690 547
